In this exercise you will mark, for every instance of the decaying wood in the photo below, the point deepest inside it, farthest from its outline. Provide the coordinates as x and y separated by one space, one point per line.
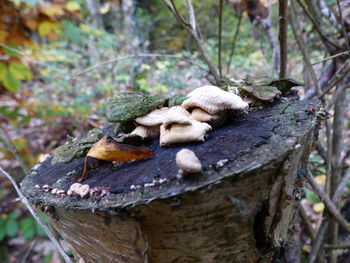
239 209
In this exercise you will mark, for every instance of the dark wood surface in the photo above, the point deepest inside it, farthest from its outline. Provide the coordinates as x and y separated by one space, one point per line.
243 144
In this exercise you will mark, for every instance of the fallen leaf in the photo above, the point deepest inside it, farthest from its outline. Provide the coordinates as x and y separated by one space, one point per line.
108 149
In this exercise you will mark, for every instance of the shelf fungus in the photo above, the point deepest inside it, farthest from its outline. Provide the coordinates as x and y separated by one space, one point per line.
212 99
179 133
188 162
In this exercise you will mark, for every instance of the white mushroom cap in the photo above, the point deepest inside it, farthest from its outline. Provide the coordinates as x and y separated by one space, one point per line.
176 114
213 99
187 161
195 131
153 118
201 115
146 131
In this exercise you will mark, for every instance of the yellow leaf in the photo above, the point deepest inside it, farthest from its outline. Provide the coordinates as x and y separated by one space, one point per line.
48 28
318 207
44 28
72 6
321 179
107 149
52 10
3 35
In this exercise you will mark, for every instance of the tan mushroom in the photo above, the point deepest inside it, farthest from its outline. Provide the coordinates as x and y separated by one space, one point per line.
178 133
201 115
188 162
146 131
212 99
154 118
176 114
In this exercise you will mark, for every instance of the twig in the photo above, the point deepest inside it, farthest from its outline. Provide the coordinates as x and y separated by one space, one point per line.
192 29
113 60
336 168
221 4
307 223
282 36
327 246
345 179
321 151
12 148
343 25
233 47
337 77
330 44
341 54
32 244
318 241
303 48
329 204
37 218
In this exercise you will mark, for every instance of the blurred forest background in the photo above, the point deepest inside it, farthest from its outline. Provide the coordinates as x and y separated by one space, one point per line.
60 60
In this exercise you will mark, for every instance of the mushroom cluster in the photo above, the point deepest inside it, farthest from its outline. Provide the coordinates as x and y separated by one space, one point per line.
192 120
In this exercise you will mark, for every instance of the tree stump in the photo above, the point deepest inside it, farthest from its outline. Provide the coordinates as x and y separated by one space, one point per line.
239 209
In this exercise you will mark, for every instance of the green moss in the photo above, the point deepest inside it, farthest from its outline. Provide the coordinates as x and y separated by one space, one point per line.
175 100
126 107
77 147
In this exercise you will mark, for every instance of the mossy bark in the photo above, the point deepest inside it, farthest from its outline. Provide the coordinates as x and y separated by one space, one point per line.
240 210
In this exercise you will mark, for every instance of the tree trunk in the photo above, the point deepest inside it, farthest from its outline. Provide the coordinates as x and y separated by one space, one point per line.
239 209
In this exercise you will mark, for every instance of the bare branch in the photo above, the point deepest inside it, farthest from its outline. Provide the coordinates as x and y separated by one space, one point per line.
318 241
12 148
337 77
343 25
307 223
329 204
113 60
192 29
329 43
37 218
283 30
341 54
220 37
303 48
233 47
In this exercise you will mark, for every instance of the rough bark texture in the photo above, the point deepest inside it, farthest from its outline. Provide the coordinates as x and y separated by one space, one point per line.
240 209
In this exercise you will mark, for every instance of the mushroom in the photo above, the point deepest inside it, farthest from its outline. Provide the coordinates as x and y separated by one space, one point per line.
212 99
201 115
149 124
176 133
176 114
146 131
83 190
154 118
188 162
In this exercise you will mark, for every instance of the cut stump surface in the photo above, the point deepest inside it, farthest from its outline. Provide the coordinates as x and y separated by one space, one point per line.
239 209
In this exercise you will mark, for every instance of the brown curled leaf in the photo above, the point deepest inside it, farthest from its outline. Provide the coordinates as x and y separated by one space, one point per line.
108 149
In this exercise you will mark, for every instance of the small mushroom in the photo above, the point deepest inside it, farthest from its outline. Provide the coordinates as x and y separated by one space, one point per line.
177 133
83 191
188 162
74 187
212 99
